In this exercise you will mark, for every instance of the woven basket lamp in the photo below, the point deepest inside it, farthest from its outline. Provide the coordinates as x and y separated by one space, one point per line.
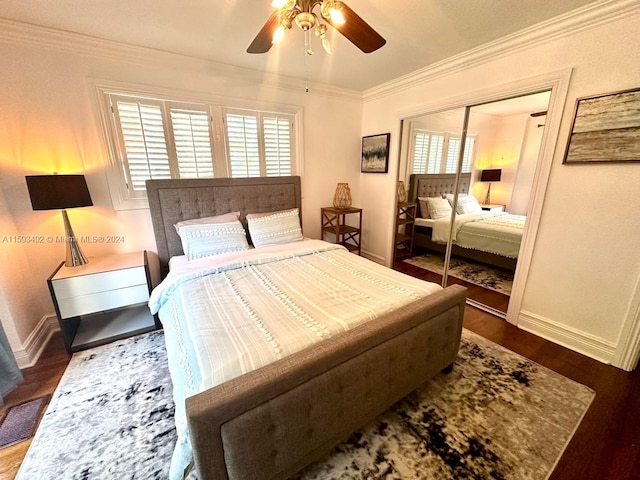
342 197
402 193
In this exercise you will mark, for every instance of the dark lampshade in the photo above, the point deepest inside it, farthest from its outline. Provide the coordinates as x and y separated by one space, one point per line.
491 175
57 192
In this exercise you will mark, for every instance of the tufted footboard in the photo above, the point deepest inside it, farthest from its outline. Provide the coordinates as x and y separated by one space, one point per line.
270 423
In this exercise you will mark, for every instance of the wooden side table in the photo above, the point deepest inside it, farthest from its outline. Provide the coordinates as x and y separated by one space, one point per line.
403 241
334 222
102 301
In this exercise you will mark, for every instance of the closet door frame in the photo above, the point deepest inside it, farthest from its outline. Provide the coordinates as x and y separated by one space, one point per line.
558 84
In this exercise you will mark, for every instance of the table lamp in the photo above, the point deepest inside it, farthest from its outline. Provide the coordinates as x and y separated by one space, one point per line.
490 175
59 192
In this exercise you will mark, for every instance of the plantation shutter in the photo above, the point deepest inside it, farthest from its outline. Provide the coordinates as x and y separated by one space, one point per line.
142 139
243 145
435 153
192 140
420 152
277 145
453 152
451 161
427 152
468 153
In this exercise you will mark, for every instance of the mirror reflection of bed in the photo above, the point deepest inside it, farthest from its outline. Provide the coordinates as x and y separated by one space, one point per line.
503 140
485 240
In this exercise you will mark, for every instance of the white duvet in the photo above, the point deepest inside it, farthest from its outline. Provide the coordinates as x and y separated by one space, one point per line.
232 313
499 233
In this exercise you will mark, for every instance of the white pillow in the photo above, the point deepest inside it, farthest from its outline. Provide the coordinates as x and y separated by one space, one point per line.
449 196
274 228
224 218
438 207
468 204
200 241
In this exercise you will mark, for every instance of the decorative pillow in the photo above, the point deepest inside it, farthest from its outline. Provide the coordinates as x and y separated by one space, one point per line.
200 241
224 218
424 210
274 228
438 207
449 197
468 204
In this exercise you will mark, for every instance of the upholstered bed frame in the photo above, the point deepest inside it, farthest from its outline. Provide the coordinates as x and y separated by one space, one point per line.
271 422
436 185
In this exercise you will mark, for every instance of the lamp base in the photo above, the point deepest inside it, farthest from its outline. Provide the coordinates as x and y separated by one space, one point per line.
75 257
487 199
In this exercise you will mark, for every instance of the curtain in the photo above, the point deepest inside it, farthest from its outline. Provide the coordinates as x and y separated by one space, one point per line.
10 374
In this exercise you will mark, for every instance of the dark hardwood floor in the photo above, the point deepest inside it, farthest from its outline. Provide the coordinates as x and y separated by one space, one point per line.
605 446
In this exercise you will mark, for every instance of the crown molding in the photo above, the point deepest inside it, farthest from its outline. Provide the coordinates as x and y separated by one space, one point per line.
37 36
587 17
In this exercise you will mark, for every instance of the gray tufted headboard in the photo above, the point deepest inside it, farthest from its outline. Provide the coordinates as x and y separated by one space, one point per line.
436 185
171 201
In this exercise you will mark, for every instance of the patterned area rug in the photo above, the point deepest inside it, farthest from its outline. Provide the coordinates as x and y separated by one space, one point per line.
486 276
497 415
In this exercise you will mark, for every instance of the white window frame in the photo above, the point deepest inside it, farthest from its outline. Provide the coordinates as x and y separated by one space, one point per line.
445 148
121 195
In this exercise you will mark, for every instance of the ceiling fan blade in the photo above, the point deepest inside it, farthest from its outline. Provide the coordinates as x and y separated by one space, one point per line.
357 31
262 42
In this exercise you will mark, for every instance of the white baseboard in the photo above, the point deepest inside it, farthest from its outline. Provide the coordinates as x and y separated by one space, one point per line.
574 339
36 341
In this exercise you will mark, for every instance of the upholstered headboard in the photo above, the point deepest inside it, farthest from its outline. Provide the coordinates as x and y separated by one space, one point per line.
436 185
171 201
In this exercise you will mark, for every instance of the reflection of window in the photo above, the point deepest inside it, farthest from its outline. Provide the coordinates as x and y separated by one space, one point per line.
437 152
162 139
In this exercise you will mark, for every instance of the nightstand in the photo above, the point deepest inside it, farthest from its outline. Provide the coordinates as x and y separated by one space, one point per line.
403 240
493 208
334 222
102 301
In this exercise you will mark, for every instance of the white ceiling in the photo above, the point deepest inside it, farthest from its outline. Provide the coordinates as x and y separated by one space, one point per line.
418 32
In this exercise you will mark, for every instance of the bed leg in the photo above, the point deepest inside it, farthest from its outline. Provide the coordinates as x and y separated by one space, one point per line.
448 369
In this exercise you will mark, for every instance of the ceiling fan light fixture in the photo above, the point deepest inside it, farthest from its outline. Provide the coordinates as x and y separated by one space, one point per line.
334 13
278 34
305 20
321 32
331 10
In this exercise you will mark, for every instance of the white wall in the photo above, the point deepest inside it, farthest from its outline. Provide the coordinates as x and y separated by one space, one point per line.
49 122
585 263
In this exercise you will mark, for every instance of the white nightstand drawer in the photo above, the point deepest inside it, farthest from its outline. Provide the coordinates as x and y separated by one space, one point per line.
85 304
99 282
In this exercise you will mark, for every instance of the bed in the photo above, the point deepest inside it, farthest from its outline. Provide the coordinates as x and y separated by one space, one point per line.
489 237
284 404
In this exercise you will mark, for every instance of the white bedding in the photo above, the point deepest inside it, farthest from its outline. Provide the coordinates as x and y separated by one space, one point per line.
424 222
232 313
494 232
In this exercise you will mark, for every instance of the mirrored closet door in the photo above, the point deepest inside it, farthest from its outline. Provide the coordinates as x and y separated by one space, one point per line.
487 155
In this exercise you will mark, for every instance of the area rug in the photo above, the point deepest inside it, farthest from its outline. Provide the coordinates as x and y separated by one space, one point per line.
497 415
20 421
493 278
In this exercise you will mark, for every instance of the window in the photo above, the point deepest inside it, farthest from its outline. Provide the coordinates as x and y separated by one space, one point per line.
437 152
259 144
162 139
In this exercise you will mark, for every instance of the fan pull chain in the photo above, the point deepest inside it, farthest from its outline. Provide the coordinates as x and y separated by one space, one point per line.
306 62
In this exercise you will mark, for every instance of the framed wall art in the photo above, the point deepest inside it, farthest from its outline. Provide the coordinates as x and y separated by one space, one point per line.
375 153
605 129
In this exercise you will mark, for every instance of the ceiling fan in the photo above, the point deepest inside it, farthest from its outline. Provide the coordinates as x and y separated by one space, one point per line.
335 13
